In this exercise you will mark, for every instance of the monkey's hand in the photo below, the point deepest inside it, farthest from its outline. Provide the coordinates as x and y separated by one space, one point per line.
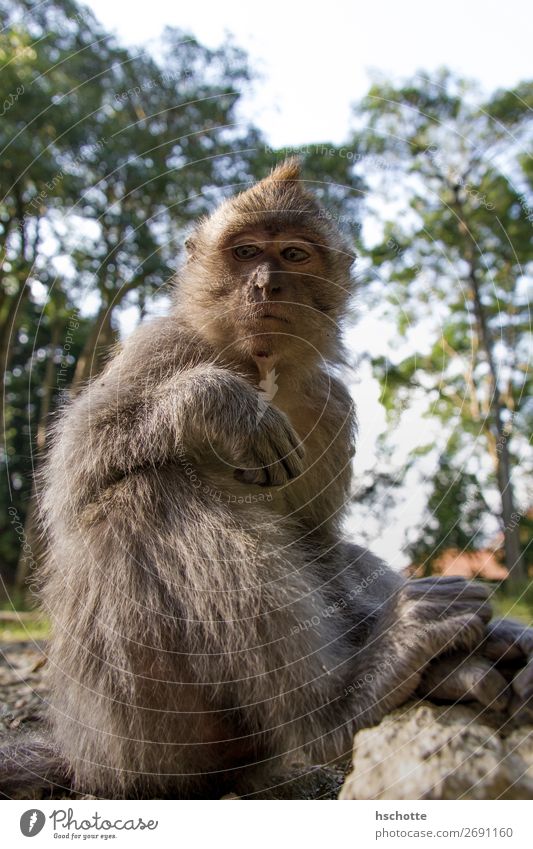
271 453
248 434
440 617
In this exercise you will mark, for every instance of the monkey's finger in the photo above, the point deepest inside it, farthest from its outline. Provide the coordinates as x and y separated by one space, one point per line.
522 683
482 610
446 588
441 611
508 640
293 466
290 454
465 678
275 475
521 710
278 430
293 440
454 634
295 450
444 581
284 465
441 599
267 471
441 580
289 446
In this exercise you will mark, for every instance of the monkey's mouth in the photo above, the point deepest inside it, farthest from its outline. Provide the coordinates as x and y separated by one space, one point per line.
269 313
268 317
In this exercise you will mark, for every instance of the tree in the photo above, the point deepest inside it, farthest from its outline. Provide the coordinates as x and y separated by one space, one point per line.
106 156
454 264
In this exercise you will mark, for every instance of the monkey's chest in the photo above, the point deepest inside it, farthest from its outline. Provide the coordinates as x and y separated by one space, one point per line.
320 492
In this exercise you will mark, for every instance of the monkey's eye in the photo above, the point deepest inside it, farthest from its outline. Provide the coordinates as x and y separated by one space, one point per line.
244 252
295 254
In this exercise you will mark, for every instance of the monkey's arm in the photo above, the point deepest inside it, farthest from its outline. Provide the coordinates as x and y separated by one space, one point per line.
114 429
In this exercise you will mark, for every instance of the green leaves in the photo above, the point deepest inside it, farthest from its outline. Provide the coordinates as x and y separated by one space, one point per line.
453 263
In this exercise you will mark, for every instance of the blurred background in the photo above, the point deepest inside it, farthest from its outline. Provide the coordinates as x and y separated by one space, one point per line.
120 124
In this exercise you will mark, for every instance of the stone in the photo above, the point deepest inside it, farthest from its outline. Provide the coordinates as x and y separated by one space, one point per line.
427 751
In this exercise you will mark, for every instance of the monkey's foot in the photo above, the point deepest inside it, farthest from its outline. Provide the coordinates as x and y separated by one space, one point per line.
509 645
499 674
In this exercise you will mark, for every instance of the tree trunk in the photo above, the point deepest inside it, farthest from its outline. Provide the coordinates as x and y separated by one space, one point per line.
9 323
26 564
510 517
48 384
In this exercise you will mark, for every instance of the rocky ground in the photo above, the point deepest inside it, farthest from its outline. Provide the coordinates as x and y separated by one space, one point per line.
22 692
422 751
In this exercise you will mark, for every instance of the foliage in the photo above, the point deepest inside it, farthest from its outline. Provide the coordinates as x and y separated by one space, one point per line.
517 603
454 264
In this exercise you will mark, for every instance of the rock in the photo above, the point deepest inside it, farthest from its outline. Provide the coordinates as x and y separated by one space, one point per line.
425 751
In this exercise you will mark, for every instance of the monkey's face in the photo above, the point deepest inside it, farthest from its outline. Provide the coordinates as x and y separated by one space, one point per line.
272 293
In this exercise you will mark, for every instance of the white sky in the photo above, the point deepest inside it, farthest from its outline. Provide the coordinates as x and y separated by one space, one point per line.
314 58
314 61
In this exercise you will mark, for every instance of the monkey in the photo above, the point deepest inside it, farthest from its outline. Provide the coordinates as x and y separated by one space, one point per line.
211 622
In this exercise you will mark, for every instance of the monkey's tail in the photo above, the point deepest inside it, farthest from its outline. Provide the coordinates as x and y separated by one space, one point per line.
30 763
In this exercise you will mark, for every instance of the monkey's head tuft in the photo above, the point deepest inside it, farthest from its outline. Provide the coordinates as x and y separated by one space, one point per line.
267 271
286 171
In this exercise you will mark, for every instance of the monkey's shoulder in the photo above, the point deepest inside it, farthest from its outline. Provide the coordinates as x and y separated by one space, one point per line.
164 343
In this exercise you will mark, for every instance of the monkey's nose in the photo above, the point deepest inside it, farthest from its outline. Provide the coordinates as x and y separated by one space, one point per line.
266 289
261 277
264 285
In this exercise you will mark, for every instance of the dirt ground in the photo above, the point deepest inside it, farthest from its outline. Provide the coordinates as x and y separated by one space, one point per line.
23 700
22 691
